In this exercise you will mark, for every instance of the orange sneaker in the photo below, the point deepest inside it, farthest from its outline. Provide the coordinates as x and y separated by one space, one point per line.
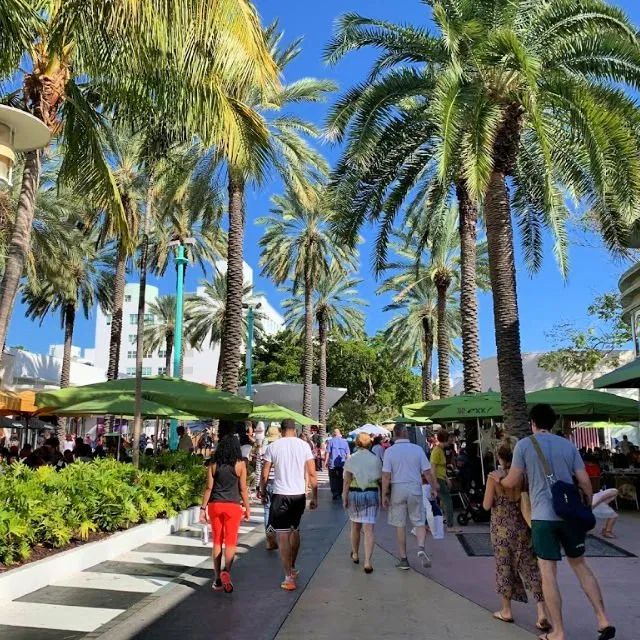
289 584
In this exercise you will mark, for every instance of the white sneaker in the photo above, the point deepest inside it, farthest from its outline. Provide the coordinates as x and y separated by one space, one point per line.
413 531
424 558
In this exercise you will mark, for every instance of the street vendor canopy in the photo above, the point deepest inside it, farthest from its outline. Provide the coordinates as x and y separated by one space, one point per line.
273 412
625 377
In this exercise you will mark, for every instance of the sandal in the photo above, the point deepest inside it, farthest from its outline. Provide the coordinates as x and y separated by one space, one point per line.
543 625
227 585
368 569
498 616
355 558
609 534
608 633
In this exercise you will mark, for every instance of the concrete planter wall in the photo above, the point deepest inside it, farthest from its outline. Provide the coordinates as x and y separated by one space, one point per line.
17 582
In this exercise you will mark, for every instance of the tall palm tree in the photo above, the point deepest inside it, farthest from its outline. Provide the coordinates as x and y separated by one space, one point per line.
297 245
161 332
338 313
81 274
206 311
413 331
290 156
499 91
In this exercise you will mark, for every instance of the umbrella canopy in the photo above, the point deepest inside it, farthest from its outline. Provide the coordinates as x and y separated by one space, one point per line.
407 420
625 377
117 405
273 412
189 397
585 403
372 430
9 402
470 407
430 408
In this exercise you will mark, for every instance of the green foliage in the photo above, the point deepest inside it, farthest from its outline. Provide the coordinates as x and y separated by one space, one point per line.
52 508
278 358
582 350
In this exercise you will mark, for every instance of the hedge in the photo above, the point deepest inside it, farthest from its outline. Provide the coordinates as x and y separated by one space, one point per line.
53 508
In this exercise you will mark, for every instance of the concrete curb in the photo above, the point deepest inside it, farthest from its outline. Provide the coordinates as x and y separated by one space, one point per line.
35 575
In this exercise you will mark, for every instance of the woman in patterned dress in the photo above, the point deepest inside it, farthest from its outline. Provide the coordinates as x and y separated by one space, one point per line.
516 565
361 497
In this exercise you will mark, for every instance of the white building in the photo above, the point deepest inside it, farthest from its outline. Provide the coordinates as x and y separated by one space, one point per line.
198 366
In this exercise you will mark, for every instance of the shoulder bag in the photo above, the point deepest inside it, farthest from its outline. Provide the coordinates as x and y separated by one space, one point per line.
566 497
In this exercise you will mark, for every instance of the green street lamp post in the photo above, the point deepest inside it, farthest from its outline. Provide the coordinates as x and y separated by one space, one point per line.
181 263
249 355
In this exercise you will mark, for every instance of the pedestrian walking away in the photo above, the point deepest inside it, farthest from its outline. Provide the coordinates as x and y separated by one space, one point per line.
403 469
337 454
361 497
438 462
546 460
293 464
223 500
516 565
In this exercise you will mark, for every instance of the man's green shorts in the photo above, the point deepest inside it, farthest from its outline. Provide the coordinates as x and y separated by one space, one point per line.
550 537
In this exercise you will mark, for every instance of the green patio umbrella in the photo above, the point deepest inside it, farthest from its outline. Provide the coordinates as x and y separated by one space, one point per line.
275 413
190 397
470 407
585 403
117 405
428 409
407 420
625 377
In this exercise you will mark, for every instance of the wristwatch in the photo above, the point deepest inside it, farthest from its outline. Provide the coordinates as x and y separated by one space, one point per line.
203 508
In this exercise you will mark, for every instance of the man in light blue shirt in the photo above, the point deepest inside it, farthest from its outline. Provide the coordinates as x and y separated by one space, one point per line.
337 454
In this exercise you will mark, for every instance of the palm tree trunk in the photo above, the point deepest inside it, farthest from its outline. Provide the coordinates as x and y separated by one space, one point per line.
471 373
307 375
144 254
502 271
427 359
322 374
69 319
219 374
233 325
20 242
168 353
444 343
116 315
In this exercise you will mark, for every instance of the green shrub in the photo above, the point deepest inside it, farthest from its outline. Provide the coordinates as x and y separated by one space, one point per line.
52 508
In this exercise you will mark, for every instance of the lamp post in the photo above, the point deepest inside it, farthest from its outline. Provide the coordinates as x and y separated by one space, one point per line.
19 131
181 263
249 356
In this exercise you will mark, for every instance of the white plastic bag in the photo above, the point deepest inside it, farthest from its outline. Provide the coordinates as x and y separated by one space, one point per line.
206 530
435 522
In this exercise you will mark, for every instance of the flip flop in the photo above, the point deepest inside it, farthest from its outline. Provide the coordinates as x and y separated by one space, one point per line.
227 585
608 633
355 558
498 616
543 625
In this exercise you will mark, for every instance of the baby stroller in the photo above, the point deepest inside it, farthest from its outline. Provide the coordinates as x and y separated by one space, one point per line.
472 506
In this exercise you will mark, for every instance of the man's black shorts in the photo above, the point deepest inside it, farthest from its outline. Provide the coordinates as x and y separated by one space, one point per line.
285 512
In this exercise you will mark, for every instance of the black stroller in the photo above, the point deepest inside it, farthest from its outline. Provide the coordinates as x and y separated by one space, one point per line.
471 500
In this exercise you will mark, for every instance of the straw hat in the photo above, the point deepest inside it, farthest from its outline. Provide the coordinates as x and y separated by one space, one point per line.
273 433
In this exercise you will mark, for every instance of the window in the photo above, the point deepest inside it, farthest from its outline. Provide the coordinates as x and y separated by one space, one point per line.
131 355
147 354
133 338
162 353
148 318
131 371
146 371
127 297
133 318
108 319
162 371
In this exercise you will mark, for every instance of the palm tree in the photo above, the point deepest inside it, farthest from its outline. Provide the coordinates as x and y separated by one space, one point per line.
161 331
81 274
338 313
412 332
297 245
290 156
113 44
502 92
206 311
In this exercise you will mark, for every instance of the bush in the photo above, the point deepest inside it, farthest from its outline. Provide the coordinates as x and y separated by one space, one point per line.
52 508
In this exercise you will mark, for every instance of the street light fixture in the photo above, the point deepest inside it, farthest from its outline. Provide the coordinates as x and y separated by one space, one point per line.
19 131
249 355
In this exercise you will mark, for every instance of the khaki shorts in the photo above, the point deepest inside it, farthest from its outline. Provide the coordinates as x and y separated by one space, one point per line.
406 500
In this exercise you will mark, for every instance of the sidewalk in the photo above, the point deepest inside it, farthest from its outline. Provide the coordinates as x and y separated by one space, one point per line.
341 601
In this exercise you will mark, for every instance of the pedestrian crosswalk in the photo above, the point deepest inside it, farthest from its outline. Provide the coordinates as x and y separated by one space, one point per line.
86 601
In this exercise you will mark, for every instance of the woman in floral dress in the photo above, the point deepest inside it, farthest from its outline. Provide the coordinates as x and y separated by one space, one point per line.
516 565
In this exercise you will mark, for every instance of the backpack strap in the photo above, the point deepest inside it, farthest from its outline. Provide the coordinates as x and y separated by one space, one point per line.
548 472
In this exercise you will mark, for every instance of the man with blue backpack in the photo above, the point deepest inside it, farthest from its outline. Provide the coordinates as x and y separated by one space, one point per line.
560 492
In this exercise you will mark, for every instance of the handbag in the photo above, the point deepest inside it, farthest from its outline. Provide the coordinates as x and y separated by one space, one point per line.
567 498
525 507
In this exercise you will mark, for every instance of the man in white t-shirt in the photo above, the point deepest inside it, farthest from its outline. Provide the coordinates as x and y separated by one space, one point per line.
293 465
404 468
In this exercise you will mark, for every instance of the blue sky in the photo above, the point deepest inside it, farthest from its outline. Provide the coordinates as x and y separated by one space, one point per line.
544 298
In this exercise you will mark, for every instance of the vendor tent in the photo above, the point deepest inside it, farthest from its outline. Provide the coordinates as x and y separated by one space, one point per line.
407 420
625 377
275 413
188 397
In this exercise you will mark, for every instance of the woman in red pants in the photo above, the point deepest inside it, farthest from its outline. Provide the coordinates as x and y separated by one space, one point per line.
222 505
